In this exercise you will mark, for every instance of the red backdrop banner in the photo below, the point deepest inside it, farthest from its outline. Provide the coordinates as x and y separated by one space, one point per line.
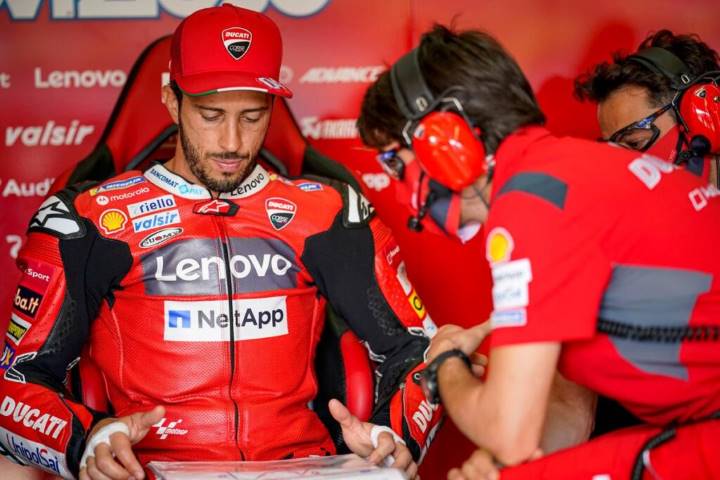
63 63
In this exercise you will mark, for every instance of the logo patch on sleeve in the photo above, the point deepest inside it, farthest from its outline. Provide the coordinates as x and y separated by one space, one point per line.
54 216
510 284
17 328
499 245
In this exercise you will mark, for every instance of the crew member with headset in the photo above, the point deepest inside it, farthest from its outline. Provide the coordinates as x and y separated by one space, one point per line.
604 263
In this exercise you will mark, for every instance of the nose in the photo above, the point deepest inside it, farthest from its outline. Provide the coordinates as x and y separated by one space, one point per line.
231 136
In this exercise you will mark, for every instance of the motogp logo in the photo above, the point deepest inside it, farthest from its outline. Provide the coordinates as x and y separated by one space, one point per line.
236 41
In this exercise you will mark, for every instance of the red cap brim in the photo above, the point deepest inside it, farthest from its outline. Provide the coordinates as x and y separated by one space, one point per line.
207 83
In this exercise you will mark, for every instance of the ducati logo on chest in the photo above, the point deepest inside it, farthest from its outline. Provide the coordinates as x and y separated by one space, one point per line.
237 41
280 212
220 207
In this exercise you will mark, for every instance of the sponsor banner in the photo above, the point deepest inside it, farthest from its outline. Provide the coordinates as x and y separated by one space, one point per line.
32 453
163 431
49 134
253 183
310 187
510 284
23 10
508 318
113 221
31 417
499 245
198 267
156 220
152 205
161 236
23 189
165 179
118 185
7 356
27 301
376 181
36 275
79 79
280 211
211 321
417 304
335 129
366 74
17 328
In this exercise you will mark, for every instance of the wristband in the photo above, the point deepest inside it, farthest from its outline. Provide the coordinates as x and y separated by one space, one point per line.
102 436
375 432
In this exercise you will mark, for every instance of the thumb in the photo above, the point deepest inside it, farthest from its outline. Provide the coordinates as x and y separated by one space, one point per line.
141 422
341 414
148 419
482 330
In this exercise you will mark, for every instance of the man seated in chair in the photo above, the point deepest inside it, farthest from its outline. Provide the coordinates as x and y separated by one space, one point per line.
199 288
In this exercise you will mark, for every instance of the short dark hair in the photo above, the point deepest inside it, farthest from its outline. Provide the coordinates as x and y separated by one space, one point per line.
493 90
178 93
598 84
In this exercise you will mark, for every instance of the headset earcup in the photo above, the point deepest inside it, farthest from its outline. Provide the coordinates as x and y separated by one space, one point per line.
448 150
700 111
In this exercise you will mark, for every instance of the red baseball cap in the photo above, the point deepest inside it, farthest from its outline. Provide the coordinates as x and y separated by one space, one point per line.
226 48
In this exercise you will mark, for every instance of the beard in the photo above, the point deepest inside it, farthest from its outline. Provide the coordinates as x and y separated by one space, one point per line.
227 181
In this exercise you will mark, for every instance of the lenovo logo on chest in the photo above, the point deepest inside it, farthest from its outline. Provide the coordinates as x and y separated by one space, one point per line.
201 266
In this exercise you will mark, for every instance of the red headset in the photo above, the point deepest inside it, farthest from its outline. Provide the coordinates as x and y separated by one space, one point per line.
437 130
696 102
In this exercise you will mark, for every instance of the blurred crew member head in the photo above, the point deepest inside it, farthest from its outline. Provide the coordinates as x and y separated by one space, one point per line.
640 96
436 118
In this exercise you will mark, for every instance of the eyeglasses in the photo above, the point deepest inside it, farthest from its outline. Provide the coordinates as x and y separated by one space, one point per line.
642 134
391 163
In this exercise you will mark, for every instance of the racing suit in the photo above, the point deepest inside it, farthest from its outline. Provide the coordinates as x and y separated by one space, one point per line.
212 307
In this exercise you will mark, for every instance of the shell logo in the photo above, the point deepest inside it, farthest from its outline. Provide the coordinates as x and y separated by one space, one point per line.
113 221
499 245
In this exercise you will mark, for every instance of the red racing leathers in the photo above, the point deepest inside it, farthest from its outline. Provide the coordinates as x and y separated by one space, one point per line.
212 307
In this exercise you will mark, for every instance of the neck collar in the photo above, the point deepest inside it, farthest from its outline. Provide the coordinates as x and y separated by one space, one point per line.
162 177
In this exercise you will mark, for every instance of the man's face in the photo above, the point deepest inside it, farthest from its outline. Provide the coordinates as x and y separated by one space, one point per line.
627 106
221 135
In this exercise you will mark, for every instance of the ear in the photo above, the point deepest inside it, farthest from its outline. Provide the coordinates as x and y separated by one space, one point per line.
171 103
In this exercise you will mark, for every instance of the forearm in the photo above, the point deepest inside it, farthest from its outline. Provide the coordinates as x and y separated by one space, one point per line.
570 417
460 392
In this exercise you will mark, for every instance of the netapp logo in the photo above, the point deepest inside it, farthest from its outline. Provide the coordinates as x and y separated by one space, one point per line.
34 453
211 321
342 74
80 79
315 128
198 267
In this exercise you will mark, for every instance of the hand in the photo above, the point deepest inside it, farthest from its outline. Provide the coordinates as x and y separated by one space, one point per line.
357 437
480 466
117 461
450 337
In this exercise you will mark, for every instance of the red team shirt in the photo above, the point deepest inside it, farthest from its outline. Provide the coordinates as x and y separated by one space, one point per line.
582 235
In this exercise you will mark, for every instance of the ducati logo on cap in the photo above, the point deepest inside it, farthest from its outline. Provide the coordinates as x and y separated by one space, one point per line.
280 211
237 41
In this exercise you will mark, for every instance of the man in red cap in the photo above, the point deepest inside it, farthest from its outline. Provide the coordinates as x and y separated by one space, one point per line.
199 288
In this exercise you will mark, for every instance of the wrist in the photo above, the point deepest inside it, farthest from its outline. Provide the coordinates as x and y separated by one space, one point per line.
429 379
